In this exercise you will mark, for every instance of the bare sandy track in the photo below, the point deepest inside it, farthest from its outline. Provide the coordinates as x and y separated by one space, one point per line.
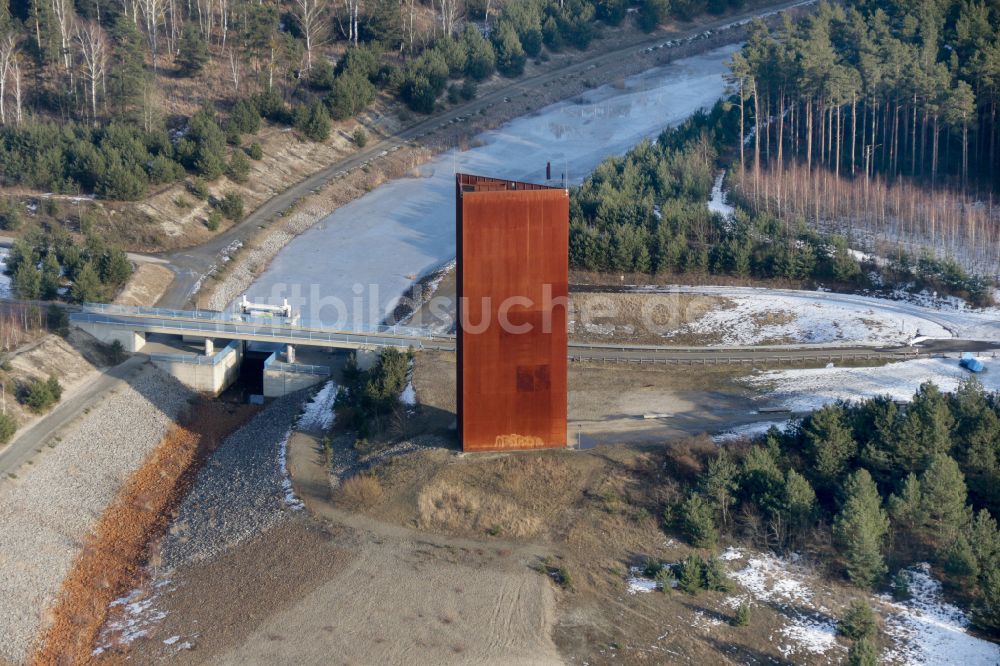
406 602
347 589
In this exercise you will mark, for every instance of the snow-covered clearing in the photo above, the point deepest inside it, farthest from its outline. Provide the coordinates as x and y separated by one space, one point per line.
780 318
808 389
318 413
941 318
928 630
782 585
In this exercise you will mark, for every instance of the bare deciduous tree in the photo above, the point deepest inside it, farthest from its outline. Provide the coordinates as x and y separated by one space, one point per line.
235 70
16 71
450 13
174 25
224 20
94 55
62 11
409 23
152 16
130 9
8 55
311 15
353 8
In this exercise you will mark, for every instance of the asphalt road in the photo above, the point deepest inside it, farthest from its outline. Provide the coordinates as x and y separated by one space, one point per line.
190 265
31 440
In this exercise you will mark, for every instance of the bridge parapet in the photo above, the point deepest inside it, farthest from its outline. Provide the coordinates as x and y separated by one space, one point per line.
208 374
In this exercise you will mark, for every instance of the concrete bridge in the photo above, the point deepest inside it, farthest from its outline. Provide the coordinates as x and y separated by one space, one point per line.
130 324
212 370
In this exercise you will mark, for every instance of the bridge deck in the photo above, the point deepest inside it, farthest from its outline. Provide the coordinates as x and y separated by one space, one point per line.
263 329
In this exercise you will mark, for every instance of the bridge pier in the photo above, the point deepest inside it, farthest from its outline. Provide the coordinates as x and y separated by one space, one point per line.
209 347
289 354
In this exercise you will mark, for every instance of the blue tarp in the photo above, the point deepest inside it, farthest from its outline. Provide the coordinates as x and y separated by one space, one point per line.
971 363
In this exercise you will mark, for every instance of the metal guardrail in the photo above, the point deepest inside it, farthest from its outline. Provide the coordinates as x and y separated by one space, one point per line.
224 329
237 319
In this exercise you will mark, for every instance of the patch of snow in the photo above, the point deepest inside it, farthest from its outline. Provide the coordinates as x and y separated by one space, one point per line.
440 275
966 323
703 621
731 554
6 290
780 584
171 640
291 500
318 413
717 202
750 430
928 630
926 299
808 389
139 615
770 317
637 583
864 257
409 396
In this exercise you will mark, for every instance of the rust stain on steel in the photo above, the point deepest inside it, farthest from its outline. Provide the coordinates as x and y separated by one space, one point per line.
512 275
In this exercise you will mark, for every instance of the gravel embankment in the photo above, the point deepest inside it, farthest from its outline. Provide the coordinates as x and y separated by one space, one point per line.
239 492
46 512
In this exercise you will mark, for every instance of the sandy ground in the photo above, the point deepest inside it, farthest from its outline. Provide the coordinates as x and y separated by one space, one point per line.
73 360
182 217
607 403
398 603
637 318
146 285
349 590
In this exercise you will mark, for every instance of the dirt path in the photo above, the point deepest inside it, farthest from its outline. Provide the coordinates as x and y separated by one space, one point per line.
400 602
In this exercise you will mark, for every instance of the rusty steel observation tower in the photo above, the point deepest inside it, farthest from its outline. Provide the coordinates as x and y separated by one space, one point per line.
512 287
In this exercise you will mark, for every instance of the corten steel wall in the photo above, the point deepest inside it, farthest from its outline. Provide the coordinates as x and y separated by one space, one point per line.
512 243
